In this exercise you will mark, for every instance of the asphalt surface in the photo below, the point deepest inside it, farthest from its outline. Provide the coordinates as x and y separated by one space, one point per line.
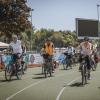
64 85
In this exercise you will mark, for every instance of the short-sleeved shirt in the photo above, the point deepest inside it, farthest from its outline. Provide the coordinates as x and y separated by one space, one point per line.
49 49
70 50
16 47
86 49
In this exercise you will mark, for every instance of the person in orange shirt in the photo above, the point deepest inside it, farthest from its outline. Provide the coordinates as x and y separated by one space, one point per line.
48 50
49 47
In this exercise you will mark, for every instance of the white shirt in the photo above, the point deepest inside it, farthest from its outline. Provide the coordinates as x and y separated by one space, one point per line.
70 50
16 46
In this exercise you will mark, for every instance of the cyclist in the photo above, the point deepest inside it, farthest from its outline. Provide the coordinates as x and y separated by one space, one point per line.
15 45
69 53
95 53
48 49
86 49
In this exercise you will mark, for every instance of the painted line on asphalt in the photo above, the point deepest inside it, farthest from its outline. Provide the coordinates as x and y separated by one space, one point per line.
13 95
60 93
10 97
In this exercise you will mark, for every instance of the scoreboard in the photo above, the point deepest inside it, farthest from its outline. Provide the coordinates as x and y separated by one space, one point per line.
87 27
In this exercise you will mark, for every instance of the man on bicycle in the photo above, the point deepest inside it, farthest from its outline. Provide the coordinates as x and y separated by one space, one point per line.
86 49
48 50
69 53
16 48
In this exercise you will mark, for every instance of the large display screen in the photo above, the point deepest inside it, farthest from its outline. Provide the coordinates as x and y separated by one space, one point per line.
87 27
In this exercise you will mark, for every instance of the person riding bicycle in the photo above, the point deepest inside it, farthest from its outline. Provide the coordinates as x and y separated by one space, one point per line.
69 53
95 52
15 45
86 49
48 50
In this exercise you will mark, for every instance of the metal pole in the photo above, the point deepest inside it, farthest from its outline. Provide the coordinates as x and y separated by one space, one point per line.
98 12
31 30
98 24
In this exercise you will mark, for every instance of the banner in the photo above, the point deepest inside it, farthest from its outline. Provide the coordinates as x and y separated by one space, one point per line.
35 59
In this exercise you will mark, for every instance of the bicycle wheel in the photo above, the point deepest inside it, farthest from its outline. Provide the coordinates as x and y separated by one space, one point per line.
42 68
68 63
64 64
19 72
8 72
86 74
83 74
45 70
50 69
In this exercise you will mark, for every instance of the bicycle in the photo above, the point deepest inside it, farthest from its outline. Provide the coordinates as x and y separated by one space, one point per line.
84 70
47 66
12 68
67 61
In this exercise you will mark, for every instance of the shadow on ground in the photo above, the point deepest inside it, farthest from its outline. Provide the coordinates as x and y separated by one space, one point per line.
64 69
40 77
77 84
3 81
14 79
99 87
39 74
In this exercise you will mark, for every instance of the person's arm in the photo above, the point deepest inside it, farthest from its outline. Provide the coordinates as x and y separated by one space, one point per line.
44 46
10 48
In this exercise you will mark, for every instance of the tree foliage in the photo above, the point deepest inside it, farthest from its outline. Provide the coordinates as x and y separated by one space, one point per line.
59 38
13 16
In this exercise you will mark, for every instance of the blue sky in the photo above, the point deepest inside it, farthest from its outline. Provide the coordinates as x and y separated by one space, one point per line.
61 14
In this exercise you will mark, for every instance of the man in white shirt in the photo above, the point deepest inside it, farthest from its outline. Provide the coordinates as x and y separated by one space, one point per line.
70 50
16 47
69 55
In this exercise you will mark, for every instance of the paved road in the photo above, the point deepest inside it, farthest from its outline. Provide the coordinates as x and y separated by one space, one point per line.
64 85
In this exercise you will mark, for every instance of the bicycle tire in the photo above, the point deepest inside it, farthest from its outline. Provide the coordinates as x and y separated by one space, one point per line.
64 65
45 71
8 72
83 75
19 72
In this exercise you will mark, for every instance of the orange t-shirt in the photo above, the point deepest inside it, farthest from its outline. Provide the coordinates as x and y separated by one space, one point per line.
49 49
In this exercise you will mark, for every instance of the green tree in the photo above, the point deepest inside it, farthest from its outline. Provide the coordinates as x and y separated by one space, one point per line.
13 17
